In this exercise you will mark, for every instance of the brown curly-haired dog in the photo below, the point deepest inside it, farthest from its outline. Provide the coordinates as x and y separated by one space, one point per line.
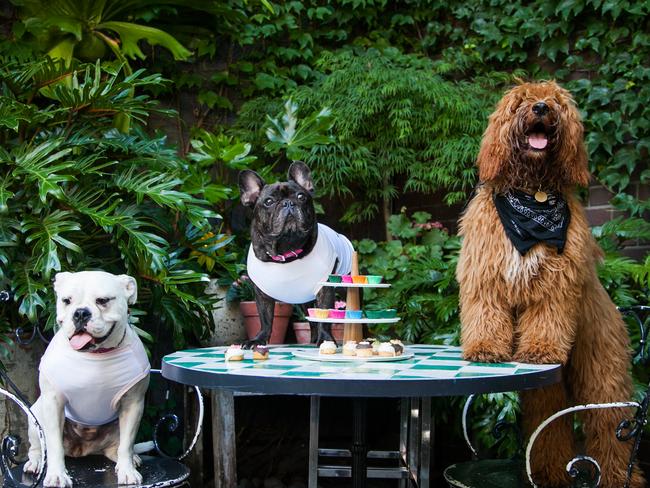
528 288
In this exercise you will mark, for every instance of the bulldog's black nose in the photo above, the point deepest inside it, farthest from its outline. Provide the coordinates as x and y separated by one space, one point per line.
540 108
80 317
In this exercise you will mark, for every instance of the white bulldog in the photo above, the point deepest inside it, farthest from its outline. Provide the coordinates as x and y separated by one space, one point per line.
93 377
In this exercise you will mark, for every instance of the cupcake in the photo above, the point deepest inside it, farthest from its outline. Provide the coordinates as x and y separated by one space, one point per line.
311 312
349 348
261 352
336 314
360 279
346 279
321 313
327 347
389 313
353 314
386 349
234 353
364 349
374 279
373 314
333 278
375 346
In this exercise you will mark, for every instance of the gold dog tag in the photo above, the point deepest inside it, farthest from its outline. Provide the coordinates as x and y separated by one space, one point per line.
541 196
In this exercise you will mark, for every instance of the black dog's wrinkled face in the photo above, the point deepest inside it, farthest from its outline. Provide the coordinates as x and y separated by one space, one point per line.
284 217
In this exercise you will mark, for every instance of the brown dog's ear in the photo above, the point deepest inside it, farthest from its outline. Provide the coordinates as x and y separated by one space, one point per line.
495 150
300 173
250 187
573 152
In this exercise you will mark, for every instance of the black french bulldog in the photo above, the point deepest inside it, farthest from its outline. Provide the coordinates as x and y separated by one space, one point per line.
284 229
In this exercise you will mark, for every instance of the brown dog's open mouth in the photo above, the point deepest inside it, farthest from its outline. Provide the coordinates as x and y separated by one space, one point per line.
538 137
81 340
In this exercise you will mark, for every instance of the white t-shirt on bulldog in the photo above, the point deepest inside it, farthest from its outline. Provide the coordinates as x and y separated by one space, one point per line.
93 383
297 281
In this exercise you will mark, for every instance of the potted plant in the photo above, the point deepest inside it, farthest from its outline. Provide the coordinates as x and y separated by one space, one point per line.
242 291
301 327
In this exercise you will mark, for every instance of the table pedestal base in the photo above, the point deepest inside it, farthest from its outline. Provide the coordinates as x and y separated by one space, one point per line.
413 457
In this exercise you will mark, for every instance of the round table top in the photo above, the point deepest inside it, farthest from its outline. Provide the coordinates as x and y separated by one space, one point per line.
435 370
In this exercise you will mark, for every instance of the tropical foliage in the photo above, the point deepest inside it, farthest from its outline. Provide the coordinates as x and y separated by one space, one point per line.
77 194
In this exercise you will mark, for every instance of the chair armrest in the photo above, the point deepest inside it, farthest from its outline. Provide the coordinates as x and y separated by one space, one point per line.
571 465
173 423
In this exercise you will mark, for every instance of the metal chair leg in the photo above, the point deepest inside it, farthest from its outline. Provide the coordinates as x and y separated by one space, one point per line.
314 419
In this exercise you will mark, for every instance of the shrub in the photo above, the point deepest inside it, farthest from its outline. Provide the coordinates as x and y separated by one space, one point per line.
78 194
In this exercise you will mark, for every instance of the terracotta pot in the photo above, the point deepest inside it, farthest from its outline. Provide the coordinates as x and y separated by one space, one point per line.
303 332
253 325
337 332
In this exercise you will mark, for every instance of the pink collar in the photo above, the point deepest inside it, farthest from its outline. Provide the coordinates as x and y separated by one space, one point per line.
281 258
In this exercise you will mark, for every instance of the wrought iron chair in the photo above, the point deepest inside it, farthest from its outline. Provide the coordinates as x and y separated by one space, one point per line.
157 471
584 470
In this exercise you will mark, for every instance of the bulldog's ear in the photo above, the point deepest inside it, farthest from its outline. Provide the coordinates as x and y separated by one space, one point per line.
130 288
59 280
299 172
250 187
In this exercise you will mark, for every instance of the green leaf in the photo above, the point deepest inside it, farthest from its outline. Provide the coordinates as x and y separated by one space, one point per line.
131 33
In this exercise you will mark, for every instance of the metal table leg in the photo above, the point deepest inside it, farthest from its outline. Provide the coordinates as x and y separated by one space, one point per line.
403 437
425 442
314 416
414 440
359 448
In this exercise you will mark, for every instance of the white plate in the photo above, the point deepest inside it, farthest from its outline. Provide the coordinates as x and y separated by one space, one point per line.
354 321
354 285
315 355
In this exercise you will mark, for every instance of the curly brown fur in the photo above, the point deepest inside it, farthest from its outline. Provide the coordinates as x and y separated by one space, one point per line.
544 307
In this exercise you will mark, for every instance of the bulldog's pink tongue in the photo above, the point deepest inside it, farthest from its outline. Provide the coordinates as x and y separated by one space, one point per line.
78 341
537 141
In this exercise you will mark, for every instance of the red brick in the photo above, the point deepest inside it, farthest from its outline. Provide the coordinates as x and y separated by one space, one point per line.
599 195
643 192
598 216
636 252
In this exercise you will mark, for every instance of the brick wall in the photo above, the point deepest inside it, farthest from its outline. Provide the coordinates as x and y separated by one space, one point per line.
600 211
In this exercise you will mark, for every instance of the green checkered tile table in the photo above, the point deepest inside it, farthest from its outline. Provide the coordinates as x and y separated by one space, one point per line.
433 371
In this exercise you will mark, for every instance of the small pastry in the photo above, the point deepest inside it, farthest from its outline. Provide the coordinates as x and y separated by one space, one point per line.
349 348
386 349
375 346
327 347
234 353
364 349
398 346
261 352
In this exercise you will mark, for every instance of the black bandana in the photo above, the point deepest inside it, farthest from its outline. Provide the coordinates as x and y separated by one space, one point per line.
527 221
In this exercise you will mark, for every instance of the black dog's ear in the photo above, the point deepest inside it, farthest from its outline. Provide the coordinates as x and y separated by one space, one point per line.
299 172
250 186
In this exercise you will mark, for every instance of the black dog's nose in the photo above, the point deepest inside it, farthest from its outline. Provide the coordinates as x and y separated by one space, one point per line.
540 108
80 317
289 203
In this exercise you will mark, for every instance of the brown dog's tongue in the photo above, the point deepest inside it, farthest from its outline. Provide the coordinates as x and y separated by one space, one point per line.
537 140
78 341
